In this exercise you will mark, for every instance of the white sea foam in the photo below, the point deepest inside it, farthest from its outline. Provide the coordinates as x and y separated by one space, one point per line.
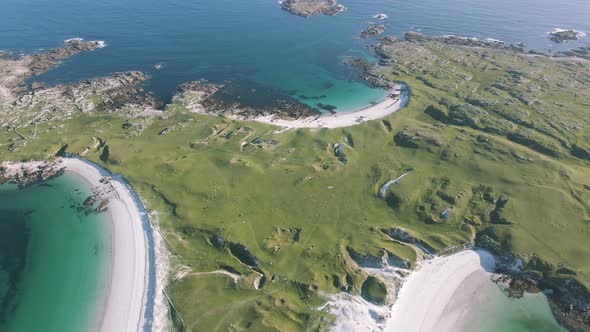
73 39
492 40
380 16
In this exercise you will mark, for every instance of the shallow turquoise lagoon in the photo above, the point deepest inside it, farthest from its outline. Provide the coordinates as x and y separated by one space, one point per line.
52 257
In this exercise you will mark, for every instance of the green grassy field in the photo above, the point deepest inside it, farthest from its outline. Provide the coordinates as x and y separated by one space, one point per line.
297 207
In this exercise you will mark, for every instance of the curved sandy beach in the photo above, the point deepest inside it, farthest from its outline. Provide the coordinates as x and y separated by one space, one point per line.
386 107
437 296
126 292
132 298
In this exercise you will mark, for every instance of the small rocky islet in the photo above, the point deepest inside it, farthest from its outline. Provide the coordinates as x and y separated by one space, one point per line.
563 36
306 8
373 31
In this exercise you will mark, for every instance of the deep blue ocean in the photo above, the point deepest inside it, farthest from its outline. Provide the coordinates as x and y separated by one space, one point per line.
259 46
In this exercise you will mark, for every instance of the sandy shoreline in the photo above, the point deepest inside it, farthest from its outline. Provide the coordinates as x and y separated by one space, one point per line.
130 293
125 294
436 296
381 109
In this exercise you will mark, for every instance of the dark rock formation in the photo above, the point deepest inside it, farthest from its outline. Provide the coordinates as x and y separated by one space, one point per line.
339 152
26 177
580 152
242 99
496 214
218 241
373 31
404 139
519 285
569 300
401 235
562 36
524 139
366 261
367 72
243 254
42 62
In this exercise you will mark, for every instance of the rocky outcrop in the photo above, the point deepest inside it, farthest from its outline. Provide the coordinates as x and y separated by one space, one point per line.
369 72
562 36
14 71
402 235
517 286
243 254
415 37
373 31
121 92
21 107
238 250
26 176
234 99
40 63
569 300
308 8
580 152
524 138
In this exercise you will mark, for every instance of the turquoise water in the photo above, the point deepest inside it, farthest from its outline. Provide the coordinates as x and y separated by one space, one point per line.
256 43
52 257
493 311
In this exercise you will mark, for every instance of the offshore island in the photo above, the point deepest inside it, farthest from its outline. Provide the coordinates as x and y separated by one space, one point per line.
473 169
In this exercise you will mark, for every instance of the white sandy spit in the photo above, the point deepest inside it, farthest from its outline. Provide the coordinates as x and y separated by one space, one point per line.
125 296
386 107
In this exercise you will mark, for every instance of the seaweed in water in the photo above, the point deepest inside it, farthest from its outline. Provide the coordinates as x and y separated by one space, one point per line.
14 237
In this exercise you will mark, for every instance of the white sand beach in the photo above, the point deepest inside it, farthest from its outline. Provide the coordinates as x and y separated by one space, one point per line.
125 297
436 296
126 291
386 107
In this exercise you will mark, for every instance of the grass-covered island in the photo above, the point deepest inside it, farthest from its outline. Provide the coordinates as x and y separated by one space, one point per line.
265 225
